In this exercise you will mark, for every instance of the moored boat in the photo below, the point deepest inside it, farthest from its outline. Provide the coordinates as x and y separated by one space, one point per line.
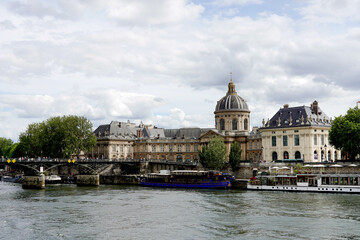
330 183
187 179
52 179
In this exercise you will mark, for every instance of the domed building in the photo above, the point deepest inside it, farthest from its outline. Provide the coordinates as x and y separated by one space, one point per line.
232 121
232 113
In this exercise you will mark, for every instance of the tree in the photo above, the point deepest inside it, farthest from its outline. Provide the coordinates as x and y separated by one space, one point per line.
235 156
58 137
5 146
213 156
345 133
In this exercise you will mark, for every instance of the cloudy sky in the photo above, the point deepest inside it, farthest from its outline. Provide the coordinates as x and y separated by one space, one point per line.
168 62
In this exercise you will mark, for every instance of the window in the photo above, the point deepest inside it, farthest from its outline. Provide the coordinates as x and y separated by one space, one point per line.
162 147
322 140
144 148
250 145
335 155
245 124
153 148
255 143
222 124
138 148
121 148
234 124
273 141
170 148
286 155
297 140
296 130
285 141
179 148
188 147
315 139
274 156
329 156
195 148
297 155
179 158
113 148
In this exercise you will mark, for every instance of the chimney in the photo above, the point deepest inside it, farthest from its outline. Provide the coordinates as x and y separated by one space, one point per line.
286 105
358 104
315 107
139 133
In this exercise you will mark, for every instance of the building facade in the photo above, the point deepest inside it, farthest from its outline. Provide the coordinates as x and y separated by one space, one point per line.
298 133
119 140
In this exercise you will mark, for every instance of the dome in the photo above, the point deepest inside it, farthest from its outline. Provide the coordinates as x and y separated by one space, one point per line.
232 101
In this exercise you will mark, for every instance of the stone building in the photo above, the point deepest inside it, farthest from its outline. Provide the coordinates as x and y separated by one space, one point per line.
116 140
232 121
298 133
254 145
119 140
181 145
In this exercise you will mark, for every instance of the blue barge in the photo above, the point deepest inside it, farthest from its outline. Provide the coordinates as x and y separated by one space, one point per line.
187 179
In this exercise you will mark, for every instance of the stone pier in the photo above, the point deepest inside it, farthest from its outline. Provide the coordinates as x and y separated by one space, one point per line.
34 182
88 180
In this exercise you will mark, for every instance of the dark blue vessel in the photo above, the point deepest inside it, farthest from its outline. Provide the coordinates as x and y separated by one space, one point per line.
187 179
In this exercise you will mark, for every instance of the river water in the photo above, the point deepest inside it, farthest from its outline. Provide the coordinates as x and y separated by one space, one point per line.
134 212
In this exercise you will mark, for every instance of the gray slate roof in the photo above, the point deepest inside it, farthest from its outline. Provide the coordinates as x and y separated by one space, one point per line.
298 117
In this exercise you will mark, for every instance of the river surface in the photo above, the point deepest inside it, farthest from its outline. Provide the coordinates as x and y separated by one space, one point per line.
134 212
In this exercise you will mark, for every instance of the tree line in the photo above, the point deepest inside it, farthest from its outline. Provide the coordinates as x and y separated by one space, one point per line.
58 137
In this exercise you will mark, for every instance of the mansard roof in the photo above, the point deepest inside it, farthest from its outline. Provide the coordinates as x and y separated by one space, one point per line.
298 117
187 133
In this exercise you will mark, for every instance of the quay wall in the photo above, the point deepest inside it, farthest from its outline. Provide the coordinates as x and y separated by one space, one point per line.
120 180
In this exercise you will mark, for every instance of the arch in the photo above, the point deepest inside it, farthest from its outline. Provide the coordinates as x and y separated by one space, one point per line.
245 124
286 155
335 155
274 156
315 155
179 158
297 155
234 124
222 124
329 156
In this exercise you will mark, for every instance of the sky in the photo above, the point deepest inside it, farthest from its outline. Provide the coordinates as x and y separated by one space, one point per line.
167 63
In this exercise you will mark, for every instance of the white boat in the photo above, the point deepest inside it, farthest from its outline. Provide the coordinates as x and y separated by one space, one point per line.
53 179
330 183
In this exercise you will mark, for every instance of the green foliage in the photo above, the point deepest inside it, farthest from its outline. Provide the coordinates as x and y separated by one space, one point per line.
58 137
235 156
5 146
298 168
345 133
213 156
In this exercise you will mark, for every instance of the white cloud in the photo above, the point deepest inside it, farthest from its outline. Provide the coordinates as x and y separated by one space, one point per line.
168 61
153 12
331 11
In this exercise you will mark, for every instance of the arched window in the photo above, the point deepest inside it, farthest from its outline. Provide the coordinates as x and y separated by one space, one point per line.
222 124
329 156
335 155
274 156
234 124
297 155
286 155
245 124
315 155
179 158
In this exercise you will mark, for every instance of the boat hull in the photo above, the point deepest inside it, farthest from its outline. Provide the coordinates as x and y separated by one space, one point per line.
294 188
214 185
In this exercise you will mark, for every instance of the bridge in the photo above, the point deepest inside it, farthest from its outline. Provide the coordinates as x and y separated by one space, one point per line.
86 171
